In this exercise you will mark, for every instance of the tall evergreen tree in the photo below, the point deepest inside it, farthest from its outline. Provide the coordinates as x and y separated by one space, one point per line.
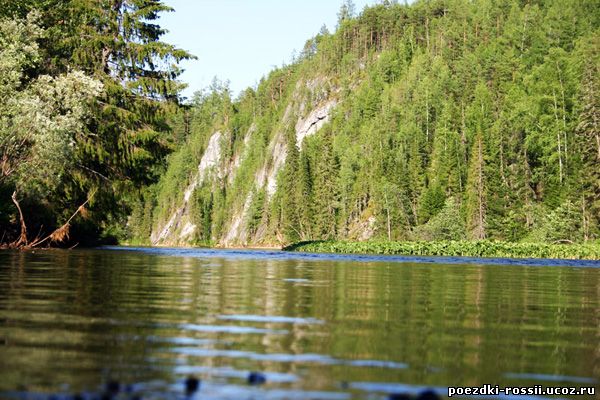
476 201
290 189
118 42
325 192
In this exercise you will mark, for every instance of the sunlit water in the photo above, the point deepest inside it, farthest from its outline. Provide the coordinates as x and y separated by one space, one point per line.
318 327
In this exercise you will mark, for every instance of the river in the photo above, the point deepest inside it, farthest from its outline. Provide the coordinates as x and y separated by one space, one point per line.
317 326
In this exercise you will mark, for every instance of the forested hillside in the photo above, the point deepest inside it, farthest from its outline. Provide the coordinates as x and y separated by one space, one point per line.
437 120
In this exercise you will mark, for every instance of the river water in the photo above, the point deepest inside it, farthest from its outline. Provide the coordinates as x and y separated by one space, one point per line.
317 326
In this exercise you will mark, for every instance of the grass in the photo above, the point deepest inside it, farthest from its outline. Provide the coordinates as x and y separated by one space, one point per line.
481 248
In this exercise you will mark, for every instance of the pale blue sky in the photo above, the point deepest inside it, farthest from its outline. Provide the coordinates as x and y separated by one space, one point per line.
242 40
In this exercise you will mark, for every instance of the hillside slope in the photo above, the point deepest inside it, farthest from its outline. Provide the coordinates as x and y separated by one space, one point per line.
439 120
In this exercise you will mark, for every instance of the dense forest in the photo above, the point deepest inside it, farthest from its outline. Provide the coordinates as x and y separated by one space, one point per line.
86 90
436 120
439 120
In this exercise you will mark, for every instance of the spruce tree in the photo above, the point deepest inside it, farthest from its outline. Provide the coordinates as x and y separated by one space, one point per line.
290 189
325 189
305 193
476 196
118 42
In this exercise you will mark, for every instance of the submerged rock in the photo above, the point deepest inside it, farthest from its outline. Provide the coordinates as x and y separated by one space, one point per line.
191 384
428 395
113 387
399 396
256 378
425 395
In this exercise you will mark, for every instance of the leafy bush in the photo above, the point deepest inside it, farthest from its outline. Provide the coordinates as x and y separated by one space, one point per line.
561 225
446 225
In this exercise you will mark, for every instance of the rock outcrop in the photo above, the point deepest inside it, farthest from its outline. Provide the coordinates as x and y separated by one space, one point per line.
179 228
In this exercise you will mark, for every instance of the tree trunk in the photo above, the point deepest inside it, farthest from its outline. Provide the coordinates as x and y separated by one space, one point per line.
480 191
558 141
389 224
22 241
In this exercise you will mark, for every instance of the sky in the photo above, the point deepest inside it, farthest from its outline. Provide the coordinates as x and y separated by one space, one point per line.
242 40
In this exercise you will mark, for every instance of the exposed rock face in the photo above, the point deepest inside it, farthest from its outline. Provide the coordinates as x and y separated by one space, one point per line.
180 220
211 156
237 232
362 230
304 127
314 121
179 229
267 175
238 158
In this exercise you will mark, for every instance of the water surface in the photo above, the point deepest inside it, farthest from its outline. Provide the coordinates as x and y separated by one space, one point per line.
318 326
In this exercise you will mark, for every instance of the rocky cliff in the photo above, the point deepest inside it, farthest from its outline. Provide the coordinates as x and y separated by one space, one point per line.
309 108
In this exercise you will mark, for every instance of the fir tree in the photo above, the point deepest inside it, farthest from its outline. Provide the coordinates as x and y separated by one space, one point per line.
325 190
290 189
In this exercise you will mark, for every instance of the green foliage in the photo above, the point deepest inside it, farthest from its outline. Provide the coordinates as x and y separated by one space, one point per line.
347 11
431 202
563 224
40 122
445 225
140 221
84 105
202 214
453 120
479 248
325 195
171 187
588 133
39 117
256 211
290 190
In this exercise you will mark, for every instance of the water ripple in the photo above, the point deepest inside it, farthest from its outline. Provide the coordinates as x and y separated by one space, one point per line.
287 358
232 329
551 378
269 318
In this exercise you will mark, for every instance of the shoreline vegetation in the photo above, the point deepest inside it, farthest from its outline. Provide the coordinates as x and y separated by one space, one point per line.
451 248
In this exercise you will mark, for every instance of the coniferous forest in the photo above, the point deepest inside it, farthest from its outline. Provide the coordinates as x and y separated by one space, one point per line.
440 120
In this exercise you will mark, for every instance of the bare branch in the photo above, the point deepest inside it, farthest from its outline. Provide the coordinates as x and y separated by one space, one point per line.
62 232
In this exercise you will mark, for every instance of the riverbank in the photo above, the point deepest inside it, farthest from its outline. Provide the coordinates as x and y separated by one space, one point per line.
482 248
